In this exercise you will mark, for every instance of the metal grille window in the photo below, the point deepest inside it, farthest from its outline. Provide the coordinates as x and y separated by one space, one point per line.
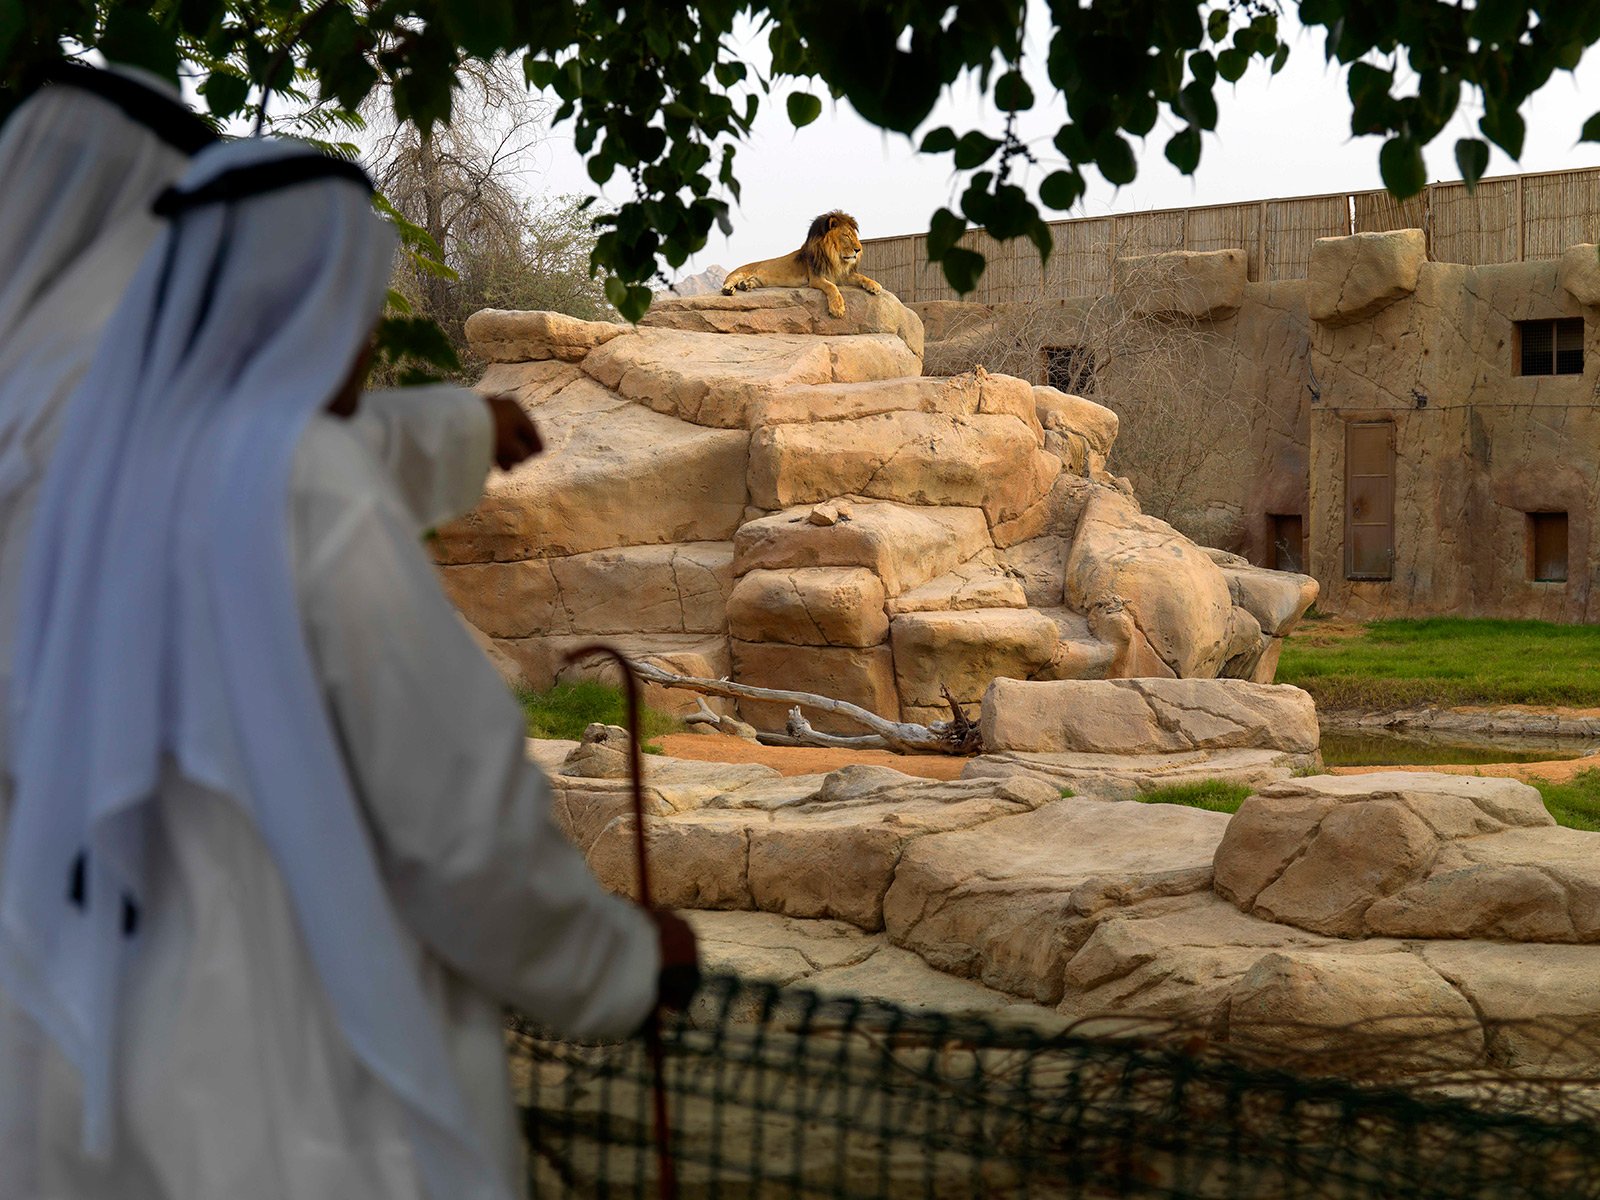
1551 347
1070 369
1369 500
1288 542
1547 547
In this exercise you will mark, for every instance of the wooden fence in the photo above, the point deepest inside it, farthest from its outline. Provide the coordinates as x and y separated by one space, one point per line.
1508 219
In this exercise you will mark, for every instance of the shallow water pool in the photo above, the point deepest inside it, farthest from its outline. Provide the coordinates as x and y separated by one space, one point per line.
1370 748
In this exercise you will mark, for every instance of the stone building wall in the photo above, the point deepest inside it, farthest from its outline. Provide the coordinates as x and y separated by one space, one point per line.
1375 333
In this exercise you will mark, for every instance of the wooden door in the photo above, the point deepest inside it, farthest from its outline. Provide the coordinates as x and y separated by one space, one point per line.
1369 500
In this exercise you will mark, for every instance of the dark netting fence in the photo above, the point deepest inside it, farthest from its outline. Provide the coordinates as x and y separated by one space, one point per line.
784 1093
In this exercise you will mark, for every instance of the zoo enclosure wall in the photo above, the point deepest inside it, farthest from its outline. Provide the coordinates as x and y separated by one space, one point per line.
1512 218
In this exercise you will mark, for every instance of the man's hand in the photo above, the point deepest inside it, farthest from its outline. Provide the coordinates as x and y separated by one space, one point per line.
680 959
516 439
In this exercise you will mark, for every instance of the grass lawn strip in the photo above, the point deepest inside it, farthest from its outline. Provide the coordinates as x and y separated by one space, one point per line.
1444 661
567 709
1575 804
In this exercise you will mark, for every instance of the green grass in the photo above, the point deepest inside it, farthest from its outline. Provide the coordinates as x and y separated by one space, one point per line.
1213 795
1576 803
567 709
1445 660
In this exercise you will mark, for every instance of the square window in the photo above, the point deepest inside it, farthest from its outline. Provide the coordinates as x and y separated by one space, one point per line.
1547 547
1070 369
1550 347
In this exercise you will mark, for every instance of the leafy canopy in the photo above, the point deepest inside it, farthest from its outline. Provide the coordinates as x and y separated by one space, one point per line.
656 90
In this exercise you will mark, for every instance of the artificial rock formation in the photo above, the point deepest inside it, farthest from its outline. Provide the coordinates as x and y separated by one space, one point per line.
744 486
1398 922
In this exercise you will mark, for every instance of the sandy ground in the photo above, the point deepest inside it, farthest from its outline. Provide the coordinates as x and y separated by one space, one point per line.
793 760
799 760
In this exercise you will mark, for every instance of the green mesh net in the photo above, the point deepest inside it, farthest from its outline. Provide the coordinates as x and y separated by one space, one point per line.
785 1093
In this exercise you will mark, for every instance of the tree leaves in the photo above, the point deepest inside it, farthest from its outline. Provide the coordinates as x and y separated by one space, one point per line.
1400 164
804 108
658 94
1472 157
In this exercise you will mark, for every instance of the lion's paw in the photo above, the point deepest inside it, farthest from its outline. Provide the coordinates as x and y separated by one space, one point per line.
727 289
836 308
872 289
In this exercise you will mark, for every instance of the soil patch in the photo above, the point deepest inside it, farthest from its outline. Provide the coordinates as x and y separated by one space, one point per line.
804 760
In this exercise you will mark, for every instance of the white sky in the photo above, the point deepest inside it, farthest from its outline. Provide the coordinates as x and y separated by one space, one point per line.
1287 135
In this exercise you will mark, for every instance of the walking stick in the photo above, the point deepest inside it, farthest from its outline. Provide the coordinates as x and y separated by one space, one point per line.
666 1176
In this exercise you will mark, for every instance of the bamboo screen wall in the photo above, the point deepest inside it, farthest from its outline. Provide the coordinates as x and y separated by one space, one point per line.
1509 219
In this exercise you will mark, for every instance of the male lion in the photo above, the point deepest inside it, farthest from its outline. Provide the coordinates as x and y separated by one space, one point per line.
829 257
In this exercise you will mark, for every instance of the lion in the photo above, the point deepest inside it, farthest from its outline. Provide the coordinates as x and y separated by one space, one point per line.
829 258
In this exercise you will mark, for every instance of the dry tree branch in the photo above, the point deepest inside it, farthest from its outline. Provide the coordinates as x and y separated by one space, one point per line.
941 737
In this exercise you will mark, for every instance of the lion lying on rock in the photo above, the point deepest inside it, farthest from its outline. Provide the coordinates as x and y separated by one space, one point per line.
829 258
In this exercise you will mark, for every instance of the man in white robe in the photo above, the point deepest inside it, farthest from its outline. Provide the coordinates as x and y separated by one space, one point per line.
208 1010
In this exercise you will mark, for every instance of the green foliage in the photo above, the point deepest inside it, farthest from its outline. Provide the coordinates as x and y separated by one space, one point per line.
1444 660
659 92
1213 795
1576 803
567 709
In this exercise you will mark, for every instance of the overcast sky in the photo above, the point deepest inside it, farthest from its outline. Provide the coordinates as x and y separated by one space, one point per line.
1287 135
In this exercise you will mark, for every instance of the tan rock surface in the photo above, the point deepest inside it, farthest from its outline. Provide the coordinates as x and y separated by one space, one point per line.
1200 284
981 461
833 856
1309 1002
1061 412
1351 278
997 902
635 589
684 484
709 381
1174 594
1412 855
1147 716
809 606
863 676
1177 958
789 311
513 337
1126 776
1579 272
965 650
1276 599
980 582
904 545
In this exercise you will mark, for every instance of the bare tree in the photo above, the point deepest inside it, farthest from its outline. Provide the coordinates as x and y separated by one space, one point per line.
1138 350
462 185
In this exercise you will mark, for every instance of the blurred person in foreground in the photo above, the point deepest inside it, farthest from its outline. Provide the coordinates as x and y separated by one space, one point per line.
274 857
87 154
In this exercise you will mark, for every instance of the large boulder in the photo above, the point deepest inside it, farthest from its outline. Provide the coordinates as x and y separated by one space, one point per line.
987 461
1409 854
1006 902
1147 716
1202 285
965 650
903 545
809 606
685 483
1579 273
1175 597
503 336
1353 277
789 311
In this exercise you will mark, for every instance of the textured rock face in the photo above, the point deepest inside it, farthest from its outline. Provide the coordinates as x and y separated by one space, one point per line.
744 485
1353 277
1409 855
991 892
1579 273
1147 716
1202 284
